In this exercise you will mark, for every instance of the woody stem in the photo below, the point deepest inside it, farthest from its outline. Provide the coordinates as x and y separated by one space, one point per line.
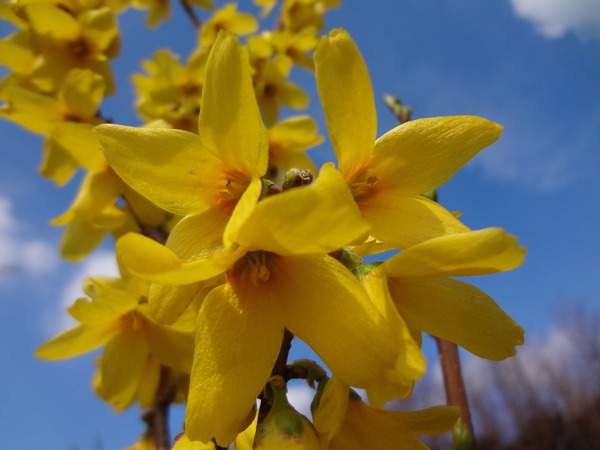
454 385
279 368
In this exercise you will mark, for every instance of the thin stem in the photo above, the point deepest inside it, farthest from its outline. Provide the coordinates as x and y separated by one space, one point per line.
279 368
191 14
160 411
454 385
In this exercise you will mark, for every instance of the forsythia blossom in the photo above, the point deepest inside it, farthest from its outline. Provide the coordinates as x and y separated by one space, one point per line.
230 240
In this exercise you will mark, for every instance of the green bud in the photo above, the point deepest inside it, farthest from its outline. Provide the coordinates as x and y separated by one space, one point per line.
296 177
284 427
347 257
462 439
269 188
365 269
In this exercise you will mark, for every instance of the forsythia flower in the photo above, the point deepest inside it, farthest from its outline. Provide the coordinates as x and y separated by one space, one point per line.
117 318
452 309
388 175
273 250
345 422
227 18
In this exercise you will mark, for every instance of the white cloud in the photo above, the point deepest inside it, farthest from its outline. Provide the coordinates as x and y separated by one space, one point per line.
102 263
555 18
20 253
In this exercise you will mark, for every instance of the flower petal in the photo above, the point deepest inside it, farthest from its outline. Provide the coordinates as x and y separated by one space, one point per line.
167 166
152 261
238 339
230 124
318 218
320 295
473 253
347 97
457 312
171 347
421 155
75 341
123 364
404 221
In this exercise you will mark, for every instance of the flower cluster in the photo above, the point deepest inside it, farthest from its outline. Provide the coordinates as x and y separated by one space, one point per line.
230 241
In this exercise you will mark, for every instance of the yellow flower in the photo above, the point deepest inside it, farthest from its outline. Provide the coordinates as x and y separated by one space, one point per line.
388 175
64 117
227 18
135 346
302 14
172 91
184 443
345 422
288 142
284 428
64 41
160 10
273 89
452 309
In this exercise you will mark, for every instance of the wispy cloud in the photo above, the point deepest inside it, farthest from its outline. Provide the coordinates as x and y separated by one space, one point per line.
555 18
18 252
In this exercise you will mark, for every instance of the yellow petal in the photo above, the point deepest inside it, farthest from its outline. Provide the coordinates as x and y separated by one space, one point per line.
123 364
410 365
18 58
245 439
230 124
184 443
331 412
167 303
347 97
457 312
152 261
367 427
319 295
318 218
423 154
79 140
458 255
171 347
75 341
102 309
58 164
81 92
403 221
49 21
434 420
238 339
243 210
79 239
167 166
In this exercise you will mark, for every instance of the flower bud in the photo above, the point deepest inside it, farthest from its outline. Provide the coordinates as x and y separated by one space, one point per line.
296 177
284 427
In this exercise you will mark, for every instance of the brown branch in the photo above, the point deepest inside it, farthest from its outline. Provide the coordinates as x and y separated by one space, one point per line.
191 14
454 385
279 368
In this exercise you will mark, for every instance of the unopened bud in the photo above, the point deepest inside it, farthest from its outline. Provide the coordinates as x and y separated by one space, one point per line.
462 439
365 269
347 257
269 188
296 177
284 427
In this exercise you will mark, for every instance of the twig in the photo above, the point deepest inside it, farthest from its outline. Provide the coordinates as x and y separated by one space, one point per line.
453 383
191 14
279 368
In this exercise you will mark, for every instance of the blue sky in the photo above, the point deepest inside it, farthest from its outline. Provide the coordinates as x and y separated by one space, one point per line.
531 65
